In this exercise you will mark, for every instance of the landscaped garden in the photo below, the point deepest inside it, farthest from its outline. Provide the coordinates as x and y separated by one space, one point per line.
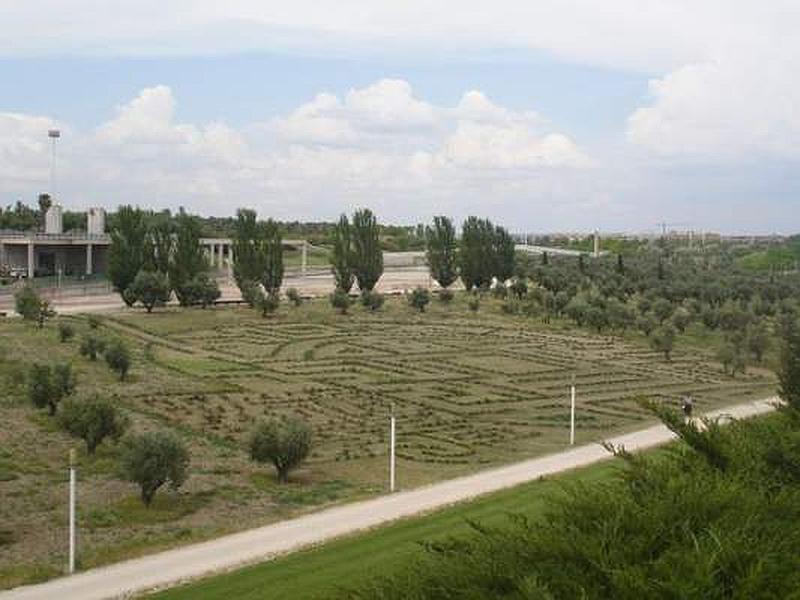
470 389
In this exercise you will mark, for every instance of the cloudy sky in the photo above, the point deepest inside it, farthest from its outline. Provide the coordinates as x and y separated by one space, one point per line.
554 114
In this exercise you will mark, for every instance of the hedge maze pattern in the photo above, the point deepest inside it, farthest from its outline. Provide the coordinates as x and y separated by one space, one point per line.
464 393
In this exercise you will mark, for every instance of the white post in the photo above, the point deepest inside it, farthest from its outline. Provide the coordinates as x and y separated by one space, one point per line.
31 261
72 499
305 257
391 450
89 265
572 415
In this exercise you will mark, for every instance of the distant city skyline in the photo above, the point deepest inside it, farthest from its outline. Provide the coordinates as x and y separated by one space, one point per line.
556 116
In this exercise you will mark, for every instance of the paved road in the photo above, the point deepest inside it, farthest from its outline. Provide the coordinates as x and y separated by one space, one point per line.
173 566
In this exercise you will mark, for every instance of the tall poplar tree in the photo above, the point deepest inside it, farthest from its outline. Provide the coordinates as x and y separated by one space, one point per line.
367 253
341 256
442 251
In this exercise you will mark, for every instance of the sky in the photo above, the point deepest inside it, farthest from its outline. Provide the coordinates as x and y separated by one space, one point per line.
564 115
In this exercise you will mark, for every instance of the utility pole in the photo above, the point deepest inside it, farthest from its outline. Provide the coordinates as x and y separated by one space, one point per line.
392 428
572 413
72 499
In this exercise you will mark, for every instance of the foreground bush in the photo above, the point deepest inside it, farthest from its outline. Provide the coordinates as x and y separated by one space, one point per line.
340 300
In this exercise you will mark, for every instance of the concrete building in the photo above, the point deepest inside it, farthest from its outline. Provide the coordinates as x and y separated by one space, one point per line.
76 253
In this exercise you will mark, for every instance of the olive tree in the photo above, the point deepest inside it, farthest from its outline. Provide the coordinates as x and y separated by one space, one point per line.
663 340
47 385
419 299
285 444
151 288
152 460
118 358
92 420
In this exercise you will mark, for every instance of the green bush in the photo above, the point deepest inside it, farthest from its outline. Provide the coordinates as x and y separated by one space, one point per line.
293 296
118 358
372 300
474 303
65 332
419 299
340 300
446 295
152 460
92 346
92 420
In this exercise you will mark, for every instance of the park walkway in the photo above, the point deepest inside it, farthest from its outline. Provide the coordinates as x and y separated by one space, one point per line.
171 567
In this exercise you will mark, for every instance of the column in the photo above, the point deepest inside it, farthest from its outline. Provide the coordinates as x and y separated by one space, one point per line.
89 269
221 249
31 265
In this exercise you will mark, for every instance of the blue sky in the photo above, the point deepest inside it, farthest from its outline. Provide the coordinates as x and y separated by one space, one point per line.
559 115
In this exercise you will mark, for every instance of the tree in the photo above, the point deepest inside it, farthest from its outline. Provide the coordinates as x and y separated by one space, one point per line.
342 255
247 266
662 309
681 319
159 244
285 444
65 332
30 306
758 340
726 355
127 251
789 370
340 300
372 300
47 385
367 254
293 296
419 299
91 346
118 358
646 324
504 253
441 251
92 420
270 250
663 340
201 290
45 202
189 265
267 303
476 255
151 288
154 459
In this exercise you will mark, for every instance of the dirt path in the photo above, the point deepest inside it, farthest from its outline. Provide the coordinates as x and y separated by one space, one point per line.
171 567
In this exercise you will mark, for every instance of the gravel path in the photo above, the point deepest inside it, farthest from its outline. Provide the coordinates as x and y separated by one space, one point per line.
171 567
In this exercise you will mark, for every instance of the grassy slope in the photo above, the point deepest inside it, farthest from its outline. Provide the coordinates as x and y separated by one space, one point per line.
349 561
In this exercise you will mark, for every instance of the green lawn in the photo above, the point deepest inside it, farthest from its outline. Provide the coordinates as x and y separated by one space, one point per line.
350 561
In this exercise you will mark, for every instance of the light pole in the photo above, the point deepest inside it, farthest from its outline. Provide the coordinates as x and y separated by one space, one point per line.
53 134
392 428
72 499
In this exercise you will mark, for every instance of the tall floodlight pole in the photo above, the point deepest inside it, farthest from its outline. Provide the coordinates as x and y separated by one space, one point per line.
72 498
392 429
53 134
572 413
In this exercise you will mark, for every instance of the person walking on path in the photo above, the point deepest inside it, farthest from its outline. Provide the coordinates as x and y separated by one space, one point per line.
687 404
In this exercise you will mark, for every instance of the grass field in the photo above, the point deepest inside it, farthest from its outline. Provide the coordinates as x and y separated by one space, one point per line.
346 563
471 390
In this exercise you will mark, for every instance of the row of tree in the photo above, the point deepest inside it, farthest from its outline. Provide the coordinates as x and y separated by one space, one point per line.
484 253
151 257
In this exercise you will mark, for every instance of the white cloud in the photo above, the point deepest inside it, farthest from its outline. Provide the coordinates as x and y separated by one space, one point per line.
24 150
740 106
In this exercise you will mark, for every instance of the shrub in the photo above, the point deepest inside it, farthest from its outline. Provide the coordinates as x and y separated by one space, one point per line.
118 358
47 385
152 460
93 321
474 303
200 290
267 303
372 300
92 420
285 444
519 287
419 299
500 291
340 300
65 332
446 295
92 346
27 303
151 288
663 340
293 296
